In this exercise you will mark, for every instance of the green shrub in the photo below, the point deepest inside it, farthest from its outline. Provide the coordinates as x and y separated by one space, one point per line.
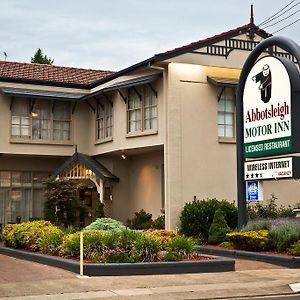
127 238
146 248
98 213
226 245
61 205
295 249
51 241
71 245
257 225
95 243
181 245
269 210
197 216
70 229
173 256
141 220
284 234
118 255
164 236
218 228
159 222
250 240
105 224
25 235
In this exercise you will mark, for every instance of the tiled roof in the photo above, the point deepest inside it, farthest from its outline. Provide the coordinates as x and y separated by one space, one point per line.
217 37
16 71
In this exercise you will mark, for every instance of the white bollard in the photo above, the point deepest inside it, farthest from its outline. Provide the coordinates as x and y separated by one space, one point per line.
81 254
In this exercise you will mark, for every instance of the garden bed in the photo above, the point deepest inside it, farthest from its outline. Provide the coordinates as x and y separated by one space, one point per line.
208 265
288 261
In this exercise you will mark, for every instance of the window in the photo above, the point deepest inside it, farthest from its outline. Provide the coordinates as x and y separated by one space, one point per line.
20 119
134 111
41 120
21 196
141 110
226 114
62 121
104 121
150 109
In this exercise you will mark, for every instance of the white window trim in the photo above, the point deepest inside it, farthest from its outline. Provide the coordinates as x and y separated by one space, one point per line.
142 131
105 138
50 141
228 139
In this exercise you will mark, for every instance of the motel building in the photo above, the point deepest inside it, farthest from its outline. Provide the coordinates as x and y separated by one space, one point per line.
152 136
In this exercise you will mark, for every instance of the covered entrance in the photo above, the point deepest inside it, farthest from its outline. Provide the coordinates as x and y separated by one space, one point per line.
95 184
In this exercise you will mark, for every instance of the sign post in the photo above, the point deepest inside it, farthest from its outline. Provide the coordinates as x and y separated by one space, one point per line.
268 104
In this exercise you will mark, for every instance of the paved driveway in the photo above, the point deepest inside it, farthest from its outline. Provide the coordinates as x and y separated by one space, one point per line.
24 280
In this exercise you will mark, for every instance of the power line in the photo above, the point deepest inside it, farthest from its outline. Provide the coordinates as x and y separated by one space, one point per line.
272 19
286 26
274 16
281 20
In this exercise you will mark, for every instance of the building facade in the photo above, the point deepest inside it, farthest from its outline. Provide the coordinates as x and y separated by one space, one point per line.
153 136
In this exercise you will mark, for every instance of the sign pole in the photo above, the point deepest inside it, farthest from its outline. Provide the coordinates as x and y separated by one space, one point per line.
241 186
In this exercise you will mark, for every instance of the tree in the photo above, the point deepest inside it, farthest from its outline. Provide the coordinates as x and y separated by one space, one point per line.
61 203
40 58
218 228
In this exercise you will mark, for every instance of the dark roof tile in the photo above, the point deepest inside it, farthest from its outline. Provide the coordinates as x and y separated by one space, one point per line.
49 73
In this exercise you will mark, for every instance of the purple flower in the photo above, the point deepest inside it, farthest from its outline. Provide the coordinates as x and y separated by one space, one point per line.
110 252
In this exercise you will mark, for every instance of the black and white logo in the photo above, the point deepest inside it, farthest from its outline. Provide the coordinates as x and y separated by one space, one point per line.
265 83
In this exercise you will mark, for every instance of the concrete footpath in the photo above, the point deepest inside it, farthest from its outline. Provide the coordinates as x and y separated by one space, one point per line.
25 280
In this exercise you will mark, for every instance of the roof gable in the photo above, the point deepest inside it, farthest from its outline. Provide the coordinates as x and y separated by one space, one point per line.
250 28
89 163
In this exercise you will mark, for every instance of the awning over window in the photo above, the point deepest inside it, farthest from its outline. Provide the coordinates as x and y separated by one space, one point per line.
223 82
29 93
125 84
80 166
132 82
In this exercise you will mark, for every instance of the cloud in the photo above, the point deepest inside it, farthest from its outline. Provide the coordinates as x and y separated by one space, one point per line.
117 33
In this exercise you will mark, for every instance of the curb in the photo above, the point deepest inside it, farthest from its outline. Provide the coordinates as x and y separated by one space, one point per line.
292 262
124 269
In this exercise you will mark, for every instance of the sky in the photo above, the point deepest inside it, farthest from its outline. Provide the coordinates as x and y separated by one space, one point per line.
115 34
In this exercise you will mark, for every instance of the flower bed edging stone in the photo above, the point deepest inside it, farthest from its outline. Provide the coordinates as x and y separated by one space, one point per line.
151 268
292 262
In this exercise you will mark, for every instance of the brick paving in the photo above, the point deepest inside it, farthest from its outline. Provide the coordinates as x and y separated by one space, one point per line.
24 280
16 270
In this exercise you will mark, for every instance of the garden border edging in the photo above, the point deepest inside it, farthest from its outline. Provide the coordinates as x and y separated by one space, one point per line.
292 262
149 268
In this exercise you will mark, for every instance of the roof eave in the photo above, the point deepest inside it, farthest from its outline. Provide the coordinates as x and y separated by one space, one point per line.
260 32
46 83
117 74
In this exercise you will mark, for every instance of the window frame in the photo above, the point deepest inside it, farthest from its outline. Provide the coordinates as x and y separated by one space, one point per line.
106 117
30 138
227 138
142 93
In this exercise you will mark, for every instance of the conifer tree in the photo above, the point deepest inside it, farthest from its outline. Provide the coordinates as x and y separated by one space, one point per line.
218 229
40 58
